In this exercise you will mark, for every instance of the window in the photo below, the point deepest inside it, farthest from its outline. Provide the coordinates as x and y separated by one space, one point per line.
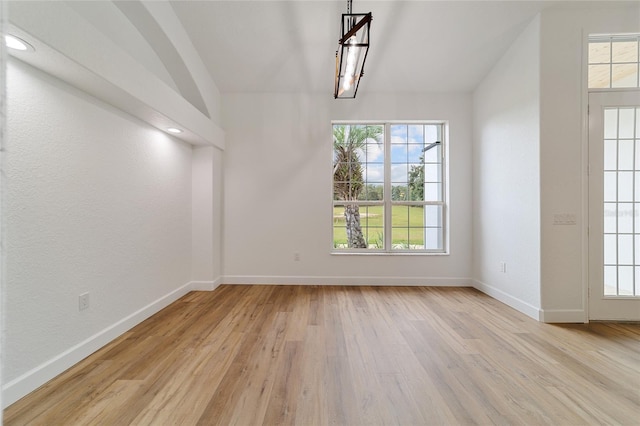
621 201
614 61
389 187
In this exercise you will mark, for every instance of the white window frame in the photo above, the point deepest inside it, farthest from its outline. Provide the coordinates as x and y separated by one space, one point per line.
388 203
611 38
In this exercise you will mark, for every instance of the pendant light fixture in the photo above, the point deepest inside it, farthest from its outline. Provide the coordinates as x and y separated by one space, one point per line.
353 47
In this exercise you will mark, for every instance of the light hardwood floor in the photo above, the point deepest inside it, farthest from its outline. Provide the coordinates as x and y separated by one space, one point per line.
251 355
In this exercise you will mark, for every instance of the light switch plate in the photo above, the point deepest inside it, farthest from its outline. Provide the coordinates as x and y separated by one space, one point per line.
564 219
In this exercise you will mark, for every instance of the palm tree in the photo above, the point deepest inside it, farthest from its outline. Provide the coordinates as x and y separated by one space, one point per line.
416 181
348 181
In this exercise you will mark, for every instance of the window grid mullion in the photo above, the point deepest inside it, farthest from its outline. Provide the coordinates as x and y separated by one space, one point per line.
611 84
387 188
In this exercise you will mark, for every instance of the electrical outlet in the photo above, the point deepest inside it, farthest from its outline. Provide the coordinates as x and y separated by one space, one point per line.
503 267
296 256
83 301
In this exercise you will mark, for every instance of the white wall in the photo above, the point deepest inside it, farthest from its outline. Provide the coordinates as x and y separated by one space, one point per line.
278 189
506 176
563 148
96 202
206 237
3 140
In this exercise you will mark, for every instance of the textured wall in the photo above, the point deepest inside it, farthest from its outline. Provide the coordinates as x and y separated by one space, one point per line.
3 126
97 202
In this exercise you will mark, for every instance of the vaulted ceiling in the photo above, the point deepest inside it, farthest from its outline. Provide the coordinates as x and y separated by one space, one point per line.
267 46
167 62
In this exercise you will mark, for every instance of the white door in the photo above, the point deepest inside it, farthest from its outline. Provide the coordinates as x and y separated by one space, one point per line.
614 205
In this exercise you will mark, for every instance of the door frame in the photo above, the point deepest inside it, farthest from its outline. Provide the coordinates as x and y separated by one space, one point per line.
625 97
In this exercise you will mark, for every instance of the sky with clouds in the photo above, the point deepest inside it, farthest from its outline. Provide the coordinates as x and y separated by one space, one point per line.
407 143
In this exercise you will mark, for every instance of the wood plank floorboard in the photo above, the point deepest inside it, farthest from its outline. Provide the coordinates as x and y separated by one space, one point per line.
331 355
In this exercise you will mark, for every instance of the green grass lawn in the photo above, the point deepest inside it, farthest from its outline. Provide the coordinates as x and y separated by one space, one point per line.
407 226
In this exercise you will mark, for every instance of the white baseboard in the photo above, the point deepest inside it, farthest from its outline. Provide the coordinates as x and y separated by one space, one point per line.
507 299
206 285
31 380
564 315
372 281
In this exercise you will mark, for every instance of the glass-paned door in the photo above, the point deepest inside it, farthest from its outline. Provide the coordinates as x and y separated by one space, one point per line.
614 205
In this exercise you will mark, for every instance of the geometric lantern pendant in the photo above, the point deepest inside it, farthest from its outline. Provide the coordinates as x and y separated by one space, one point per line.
353 47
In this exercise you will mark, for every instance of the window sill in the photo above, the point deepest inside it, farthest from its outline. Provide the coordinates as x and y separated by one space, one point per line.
384 253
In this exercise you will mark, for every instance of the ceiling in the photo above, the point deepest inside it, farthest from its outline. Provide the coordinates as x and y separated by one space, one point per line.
289 46
165 61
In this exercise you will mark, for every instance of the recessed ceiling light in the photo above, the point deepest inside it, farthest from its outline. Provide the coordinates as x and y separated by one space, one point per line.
174 130
17 43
